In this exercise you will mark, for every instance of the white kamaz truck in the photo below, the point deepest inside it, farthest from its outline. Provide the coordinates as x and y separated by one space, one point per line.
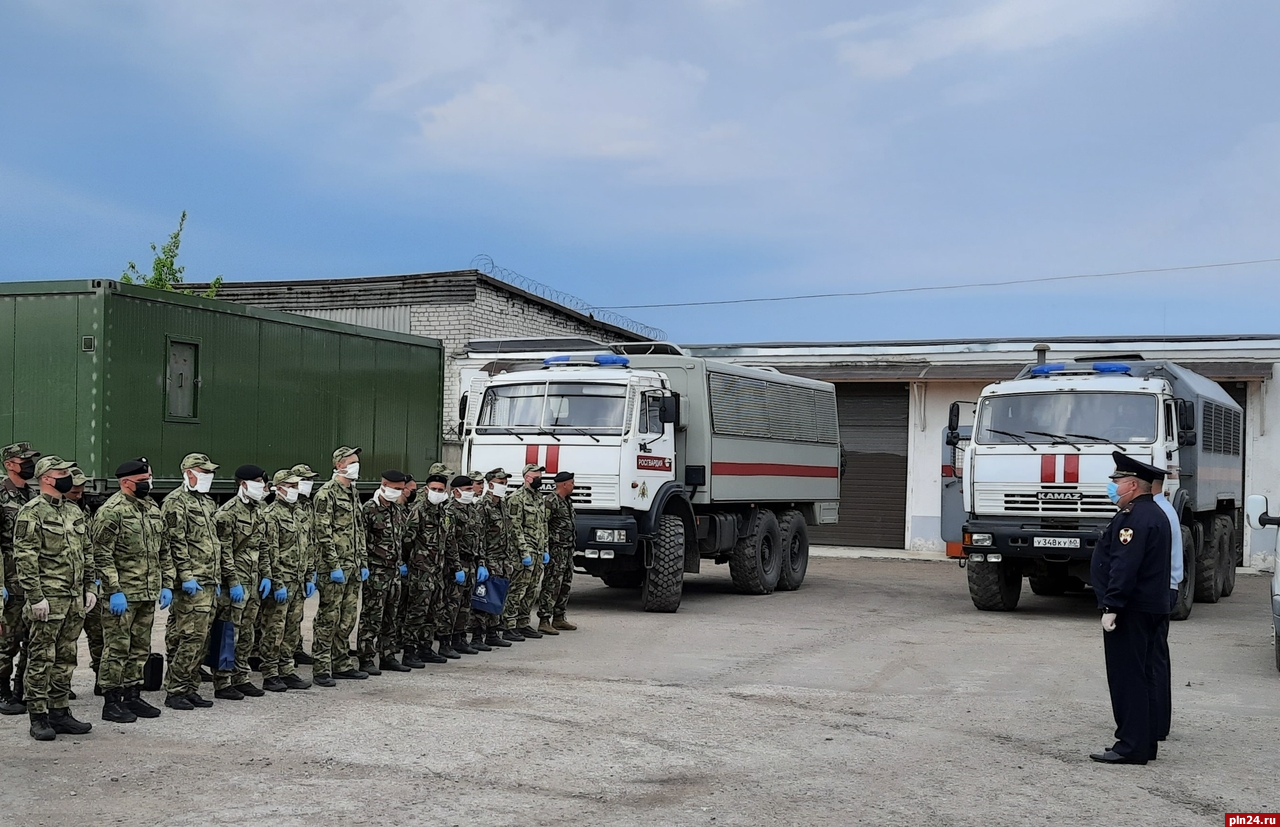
1036 470
676 460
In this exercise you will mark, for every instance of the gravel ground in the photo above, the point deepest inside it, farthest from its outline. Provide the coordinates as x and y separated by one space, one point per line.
874 695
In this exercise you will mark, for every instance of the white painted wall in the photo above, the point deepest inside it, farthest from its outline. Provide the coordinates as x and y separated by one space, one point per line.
1262 468
930 405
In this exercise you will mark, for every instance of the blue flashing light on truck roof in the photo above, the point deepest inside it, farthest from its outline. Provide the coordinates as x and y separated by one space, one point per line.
601 359
1045 370
1111 367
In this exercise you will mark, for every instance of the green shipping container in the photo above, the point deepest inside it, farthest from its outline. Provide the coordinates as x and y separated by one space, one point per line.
100 372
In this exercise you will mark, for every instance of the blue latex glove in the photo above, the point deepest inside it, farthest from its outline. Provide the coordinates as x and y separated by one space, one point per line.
482 574
282 594
166 598
217 591
364 575
310 589
4 594
237 593
119 604
404 570
526 561
264 588
546 558
460 576
337 576
191 586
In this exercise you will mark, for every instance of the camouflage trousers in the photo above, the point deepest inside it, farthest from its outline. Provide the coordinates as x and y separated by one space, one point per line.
126 643
244 618
334 621
557 579
51 655
13 639
520 595
93 631
379 604
456 615
186 637
419 607
293 625
274 621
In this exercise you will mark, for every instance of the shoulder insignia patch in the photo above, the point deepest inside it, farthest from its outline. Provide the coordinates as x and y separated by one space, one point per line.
1126 535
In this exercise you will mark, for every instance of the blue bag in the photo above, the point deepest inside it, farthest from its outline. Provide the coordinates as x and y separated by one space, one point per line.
222 646
491 595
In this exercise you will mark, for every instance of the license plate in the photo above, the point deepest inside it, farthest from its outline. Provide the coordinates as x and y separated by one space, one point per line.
1056 542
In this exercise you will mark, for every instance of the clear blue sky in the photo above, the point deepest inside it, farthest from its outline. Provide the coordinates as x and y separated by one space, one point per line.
633 153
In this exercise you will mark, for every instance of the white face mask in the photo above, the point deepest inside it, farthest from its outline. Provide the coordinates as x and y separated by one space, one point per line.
290 494
391 495
436 497
204 481
304 488
255 490
499 490
352 471
468 497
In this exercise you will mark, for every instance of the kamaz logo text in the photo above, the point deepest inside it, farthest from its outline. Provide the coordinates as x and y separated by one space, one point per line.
1059 496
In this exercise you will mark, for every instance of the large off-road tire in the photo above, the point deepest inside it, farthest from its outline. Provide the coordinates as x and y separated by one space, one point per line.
1229 563
664 581
623 579
994 587
756 561
1209 560
1048 586
794 534
1187 588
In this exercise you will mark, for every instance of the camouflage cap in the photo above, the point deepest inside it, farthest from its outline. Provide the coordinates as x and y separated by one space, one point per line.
77 476
286 476
303 471
52 463
21 450
497 474
440 468
532 467
344 452
476 476
199 462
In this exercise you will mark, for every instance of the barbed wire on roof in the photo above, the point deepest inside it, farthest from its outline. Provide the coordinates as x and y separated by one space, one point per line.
485 264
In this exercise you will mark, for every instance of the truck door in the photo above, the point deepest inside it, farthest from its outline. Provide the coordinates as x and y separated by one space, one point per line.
953 515
1171 484
656 450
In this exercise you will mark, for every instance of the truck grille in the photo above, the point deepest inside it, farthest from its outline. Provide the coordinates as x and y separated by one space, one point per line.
595 492
1028 500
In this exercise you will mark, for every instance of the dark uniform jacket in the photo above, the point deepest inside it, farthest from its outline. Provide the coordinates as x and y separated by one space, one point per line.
1130 566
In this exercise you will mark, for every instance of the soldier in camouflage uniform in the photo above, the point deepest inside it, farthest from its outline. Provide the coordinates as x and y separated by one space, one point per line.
292 575
240 528
338 531
461 561
93 619
558 576
134 571
201 561
478 624
421 606
499 546
55 567
385 521
304 513
19 466
528 512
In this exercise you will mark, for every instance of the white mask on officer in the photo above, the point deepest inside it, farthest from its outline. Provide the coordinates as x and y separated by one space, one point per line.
204 481
304 488
255 490
499 490
390 495
436 497
468 497
352 471
290 494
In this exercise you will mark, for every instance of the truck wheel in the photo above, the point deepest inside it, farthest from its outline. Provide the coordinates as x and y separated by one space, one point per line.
664 581
1048 586
756 561
1187 588
623 579
994 587
1229 563
1209 567
795 550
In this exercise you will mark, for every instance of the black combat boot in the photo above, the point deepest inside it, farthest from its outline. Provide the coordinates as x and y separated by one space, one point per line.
178 702
249 690
11 700
446 648
133 700
370 667
228 693
390 664
477 642
428 655
296 682
199 702
324 679
513 635
410 659
274 684
64 723
40 729
530 632
494 639
461 646
113 708
301 658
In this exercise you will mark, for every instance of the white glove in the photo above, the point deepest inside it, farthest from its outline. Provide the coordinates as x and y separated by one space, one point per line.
90 600
40 611
1109 622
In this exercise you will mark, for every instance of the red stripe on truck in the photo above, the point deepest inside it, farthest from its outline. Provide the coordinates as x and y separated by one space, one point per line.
1071 468
531 455
553 459
1048 468
772 469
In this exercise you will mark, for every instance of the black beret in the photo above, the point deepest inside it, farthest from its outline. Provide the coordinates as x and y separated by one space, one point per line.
1127 466
393 476
132 466
462 481
564 476
250 472
409 478
440 478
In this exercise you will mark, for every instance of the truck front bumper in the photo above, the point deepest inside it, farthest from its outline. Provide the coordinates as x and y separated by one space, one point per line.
1019 542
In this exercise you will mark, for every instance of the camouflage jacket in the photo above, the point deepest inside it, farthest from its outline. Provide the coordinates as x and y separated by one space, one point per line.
128 548
561 535
191 538
51 546
386 524
463 536
429 524
12 498
241 529
338 529
497 537
528 512
288 545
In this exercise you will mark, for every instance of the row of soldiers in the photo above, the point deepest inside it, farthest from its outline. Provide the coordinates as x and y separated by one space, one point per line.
406 565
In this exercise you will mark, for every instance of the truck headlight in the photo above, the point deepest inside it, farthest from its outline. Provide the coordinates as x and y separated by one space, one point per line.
611 535
606 554
977 539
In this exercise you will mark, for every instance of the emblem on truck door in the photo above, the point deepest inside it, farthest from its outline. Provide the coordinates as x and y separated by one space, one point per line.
651 463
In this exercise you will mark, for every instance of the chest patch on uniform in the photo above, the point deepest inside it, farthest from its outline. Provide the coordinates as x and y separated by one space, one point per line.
1126 534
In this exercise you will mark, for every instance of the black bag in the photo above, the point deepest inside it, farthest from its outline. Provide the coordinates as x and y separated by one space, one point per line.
153 672
491 595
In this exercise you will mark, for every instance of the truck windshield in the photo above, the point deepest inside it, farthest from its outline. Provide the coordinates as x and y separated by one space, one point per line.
597 409
1086 417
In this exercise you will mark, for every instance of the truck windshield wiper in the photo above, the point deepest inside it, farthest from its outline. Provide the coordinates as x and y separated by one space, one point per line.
545 432
1058 439
1018 437
1099 439
584 432
514 434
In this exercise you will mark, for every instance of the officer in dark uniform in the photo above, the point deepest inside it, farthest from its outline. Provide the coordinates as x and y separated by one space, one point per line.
1130 575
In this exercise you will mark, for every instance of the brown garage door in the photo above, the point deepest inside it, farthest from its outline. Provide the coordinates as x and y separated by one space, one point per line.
873 491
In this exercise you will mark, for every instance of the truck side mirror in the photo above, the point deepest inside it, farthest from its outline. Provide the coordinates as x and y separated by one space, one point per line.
462 407
1186 415
669 410
953 418
1255 511
953 439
